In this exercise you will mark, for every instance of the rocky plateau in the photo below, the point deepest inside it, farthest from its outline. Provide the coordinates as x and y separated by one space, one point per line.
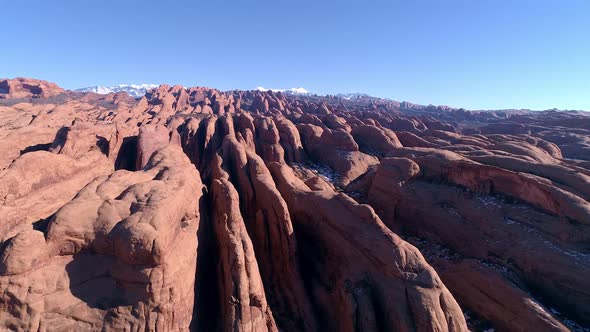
194 209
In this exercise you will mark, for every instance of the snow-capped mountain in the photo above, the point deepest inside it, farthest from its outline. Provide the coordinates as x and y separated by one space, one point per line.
134 90
353 95
293 91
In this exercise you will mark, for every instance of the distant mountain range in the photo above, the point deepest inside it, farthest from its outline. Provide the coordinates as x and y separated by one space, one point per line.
352 95
292 91
139 90
134 90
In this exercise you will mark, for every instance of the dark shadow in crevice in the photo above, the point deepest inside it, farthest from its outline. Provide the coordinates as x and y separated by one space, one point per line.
103 144
36 147
567 313
311 259
127 156
36 90
41 224
207 309
60 139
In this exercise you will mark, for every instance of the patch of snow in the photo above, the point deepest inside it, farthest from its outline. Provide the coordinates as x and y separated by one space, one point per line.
489 200
324 172
452 211
432 250
573 254
575 327
509 221
499 268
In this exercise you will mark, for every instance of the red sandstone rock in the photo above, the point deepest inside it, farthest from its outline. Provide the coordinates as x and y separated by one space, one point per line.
27 88
290 140
243 301
371 278
269 225
150 139
99 212
485 227
338 150
121 254
479 286
373 138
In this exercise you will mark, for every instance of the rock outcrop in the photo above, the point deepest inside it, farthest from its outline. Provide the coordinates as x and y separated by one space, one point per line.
361 274
121 255
243 301
27 88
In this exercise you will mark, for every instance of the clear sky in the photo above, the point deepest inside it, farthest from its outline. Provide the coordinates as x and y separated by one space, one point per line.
478 54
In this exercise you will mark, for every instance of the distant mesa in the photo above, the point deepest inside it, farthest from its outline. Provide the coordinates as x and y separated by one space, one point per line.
27 88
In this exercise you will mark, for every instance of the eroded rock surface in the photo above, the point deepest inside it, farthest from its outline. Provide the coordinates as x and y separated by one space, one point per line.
315 213
115 257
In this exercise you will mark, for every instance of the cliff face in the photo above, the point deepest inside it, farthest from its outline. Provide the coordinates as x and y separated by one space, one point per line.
195 209
28 88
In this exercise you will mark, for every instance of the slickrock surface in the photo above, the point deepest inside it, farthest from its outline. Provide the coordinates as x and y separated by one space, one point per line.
196 209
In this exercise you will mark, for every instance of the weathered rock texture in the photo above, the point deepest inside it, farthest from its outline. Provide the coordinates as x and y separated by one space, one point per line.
115 257
196 209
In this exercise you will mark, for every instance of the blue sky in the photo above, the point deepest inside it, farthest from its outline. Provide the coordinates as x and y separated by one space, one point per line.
478 54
